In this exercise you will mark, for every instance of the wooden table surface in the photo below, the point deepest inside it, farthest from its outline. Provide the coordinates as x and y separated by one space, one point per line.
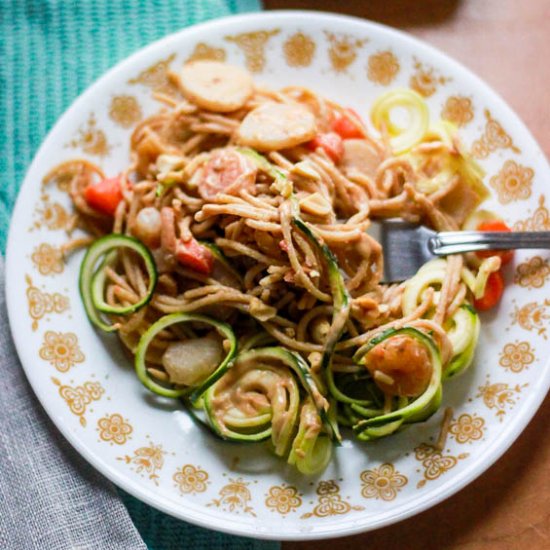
507 43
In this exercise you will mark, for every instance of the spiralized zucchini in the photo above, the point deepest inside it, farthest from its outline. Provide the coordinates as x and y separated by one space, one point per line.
428 182
463 327
463 334
253 402
407 410
259 398
105 251
431 274
311 449
477 283
402 139
341 298
166 322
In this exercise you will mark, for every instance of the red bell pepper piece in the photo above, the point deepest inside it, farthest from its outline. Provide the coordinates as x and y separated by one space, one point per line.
104 196
345 126
195 256
493 292
506 256
331 143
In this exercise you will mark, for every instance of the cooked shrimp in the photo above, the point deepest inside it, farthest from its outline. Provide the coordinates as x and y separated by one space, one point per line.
400 366
362 156
147 226
215 86
274 126
226 171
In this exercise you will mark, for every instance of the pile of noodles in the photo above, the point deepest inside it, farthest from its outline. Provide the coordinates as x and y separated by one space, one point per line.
278 284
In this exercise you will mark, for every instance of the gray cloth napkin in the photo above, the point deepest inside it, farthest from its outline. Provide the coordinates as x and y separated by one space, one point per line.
50 498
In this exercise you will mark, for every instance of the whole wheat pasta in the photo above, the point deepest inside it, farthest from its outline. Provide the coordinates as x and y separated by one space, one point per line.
239 241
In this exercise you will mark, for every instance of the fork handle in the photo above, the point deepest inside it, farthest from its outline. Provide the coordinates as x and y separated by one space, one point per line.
457 242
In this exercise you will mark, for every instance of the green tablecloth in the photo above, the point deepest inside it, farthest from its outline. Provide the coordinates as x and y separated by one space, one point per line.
50 51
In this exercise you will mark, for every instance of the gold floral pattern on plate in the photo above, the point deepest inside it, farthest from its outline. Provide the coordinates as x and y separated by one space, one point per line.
532 273
533 316
467 428
114 429
235 497
330 502
500 396
42 303
191 479
48 259
156 77
382 67
459 110
125 110
435 462
91 139
426 79
513 182
517 356
283 499
299 50
79 397
253 46
205 52
342 50
382 483
494 137
146 461
50 215
61 350
538 221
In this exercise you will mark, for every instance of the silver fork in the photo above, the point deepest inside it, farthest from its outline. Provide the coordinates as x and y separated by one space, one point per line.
406 246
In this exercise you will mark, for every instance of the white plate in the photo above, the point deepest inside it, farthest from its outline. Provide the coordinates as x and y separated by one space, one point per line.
157 453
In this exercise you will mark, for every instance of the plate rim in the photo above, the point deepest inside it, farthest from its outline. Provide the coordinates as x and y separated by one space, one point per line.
230 524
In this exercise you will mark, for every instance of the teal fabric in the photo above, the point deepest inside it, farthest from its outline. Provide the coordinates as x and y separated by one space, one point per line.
50 51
